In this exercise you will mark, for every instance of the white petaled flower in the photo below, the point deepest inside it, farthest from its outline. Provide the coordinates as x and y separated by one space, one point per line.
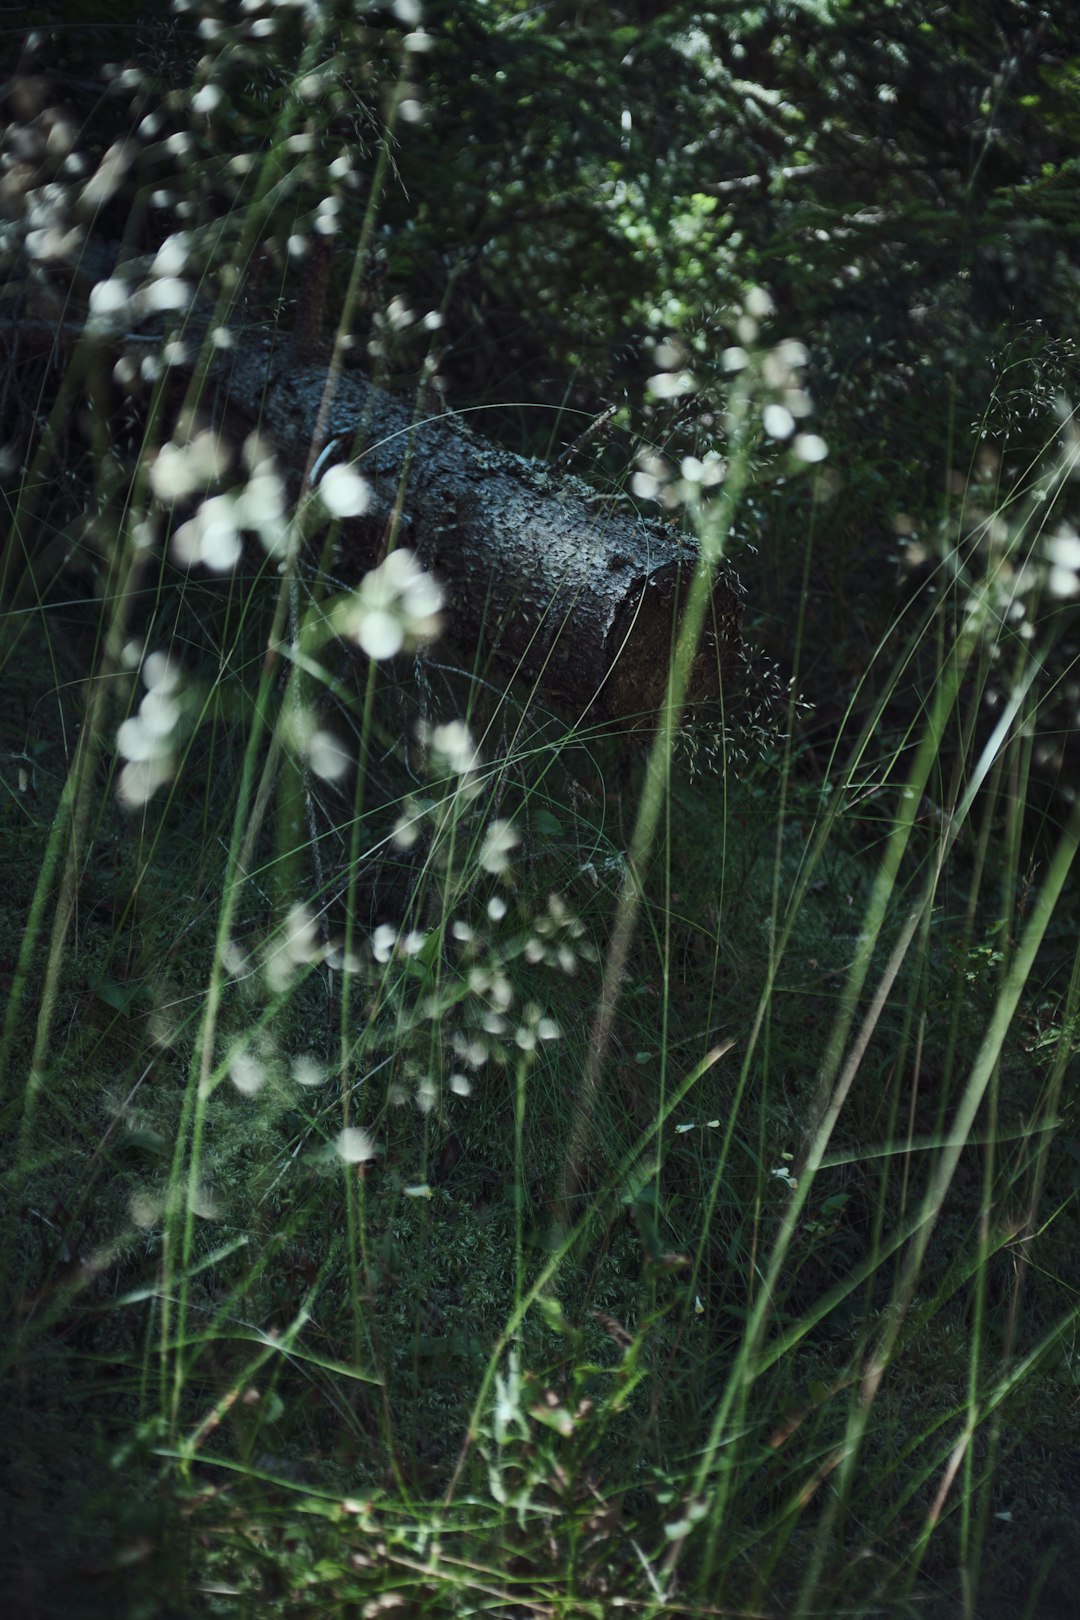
172 256
207 100
470 1050
299 941
141 778
501 991
137 742
161 673
711 470
211 537
383 941
406 830
810 447
396 605
246 1073
499 839
167 293
792 353
327 756
302 942
380 634
181 469
233 959
776 372
146 739
1063 553
307 1070
159 713
1063 582
778 422
1063 547
260 505
354 1145
343 492
671 384
454 742
110 297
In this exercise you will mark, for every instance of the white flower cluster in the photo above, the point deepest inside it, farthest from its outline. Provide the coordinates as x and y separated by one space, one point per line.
325 751
395 606
497 1027
214 535
773 384
147 739
343 492
1063 556
1006 576
451 752
387 942
298 943
557 938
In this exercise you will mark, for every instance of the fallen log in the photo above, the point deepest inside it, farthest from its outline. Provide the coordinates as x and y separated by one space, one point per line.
565 588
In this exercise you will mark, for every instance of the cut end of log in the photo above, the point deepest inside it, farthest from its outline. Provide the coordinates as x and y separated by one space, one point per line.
643 640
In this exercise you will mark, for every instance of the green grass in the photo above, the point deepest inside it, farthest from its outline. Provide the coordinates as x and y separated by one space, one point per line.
436 1180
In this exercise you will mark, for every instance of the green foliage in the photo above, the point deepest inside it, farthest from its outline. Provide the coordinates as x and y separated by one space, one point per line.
461 1163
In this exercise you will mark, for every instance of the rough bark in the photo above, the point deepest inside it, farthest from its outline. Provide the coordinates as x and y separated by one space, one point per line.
565 587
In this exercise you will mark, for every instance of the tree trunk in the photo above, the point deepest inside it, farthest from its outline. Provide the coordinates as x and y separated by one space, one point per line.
566 588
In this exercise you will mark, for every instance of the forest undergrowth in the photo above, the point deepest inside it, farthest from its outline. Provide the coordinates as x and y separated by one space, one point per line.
457 1162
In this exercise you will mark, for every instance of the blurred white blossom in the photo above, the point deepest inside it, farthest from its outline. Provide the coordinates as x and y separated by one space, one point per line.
810 447
354 1145
343 492
308 1070
246 1073
181 469
328 757
396 606
500 838
778 421
147 739
453 742
671 384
